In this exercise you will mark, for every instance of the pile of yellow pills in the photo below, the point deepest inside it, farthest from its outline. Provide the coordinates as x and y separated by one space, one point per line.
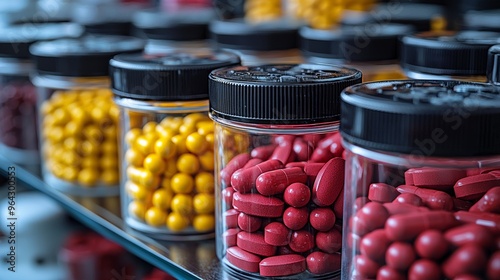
263 10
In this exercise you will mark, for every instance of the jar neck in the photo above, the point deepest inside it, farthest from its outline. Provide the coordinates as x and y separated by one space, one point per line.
424 76
61 82
13 66
163 106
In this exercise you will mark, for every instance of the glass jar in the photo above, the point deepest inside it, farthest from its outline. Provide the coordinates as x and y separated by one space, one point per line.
447 55
493 69
422 180
18 128
166 145
77 117
371 48
279 169
258 43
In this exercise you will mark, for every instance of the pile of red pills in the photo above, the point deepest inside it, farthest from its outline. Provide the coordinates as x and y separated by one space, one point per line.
283 205
443 223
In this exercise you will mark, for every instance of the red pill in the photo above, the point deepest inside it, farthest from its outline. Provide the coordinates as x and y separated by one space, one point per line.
360 202
252 162
301 241
338 205
409 176
329 182
424 269
493 269
258 205
459 204
263 152
285 138
300 164
242 259
313 168
249 223
282 265
297 195
336 147
254 243
284 152
231 218
277 234
330 241
467 277
354 242
227 195
229 237
431 198
431 244
243 180
470 233
365 267
302 149
285 250
374 245
275 181
405 227
234 164
469 258
380 192
371 217
403 208
389 273
313 138
322 218
473 187
321 263
400 256
489 220
490 202
409 198
322 152
437 178
295 218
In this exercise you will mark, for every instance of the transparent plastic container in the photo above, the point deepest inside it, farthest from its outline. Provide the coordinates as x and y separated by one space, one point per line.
166 142
371 48
422 180
279 169
76 115
447 55
493 69
18 128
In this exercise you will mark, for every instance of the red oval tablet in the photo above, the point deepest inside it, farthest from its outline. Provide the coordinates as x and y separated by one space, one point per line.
424 269
473 187
490 202
229 237
365 267
388 273
234 164
284 152
302 149
263 152
243 259
431 198
409 198
282 265
329 182
254 243
470 233
437 178
258 205
231 218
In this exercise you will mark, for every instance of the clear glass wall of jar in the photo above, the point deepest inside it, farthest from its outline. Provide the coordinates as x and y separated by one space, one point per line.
77 117
422 180
279 169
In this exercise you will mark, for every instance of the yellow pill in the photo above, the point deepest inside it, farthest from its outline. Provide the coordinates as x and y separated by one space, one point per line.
203 203
149 127
79 115
155 217
196 143
172 123
204 182
143 177
89 148
93 133
137 209
187 128
134 157
182 183
70 173
110 133
98 113
154 163
210 139
144 144
182 203
195 117
188 163
114 113
205 127
61 116
47 108
207 160
110 176
71 143
57 169
164 132
165 147
89 161
177 221
166 184
171 168
109 147
55 134
88 176
162 198
73 129
204 222
135 191
71 158
180 143
131 135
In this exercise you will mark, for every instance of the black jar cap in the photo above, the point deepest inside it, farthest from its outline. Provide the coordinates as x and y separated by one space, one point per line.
87 56
241 35
418 15
356 43
280 94
173 76
493 69
487 20
15 40
423 118
447 53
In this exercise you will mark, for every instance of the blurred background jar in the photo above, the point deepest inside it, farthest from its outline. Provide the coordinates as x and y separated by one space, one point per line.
77 117
493 70
167 142
18 128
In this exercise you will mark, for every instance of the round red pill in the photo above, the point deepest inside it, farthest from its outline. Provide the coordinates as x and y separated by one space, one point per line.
277 234
380 192
431 244
372 216
330 241
365 267
389 273
424 269
297 195
470 258
374 245
400 256
409 198
249 223
321 263
301 241
322 219
493 270
295 218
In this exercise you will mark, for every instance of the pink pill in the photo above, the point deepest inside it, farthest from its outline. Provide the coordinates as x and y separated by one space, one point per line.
313 168
277 234
395 208
285 138
322 152
300 164
301 241
409 198
469 258
490 202
295 218
322 218
321 263
252 162
374 245
437 178
360 202
493 270
400 256
365 267
231 218
297 195
473 187
380 192
329 182
489 220
409 176
254 243
227 195
313 138
302 149
431 244
229 237
405 227
330 241
275 181
459 204
336 147
282 265
424 269
242 259
249 223
234 164
389 273
338 205
263 152
431 198
284 152
258 205
243 180
470 233
371 217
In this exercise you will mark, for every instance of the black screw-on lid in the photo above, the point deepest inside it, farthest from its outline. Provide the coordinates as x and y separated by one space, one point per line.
241 35
423 118
487 20
182 25
15 40
368 42
447 53
84 57
172 76
280 94
109 28
493 69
